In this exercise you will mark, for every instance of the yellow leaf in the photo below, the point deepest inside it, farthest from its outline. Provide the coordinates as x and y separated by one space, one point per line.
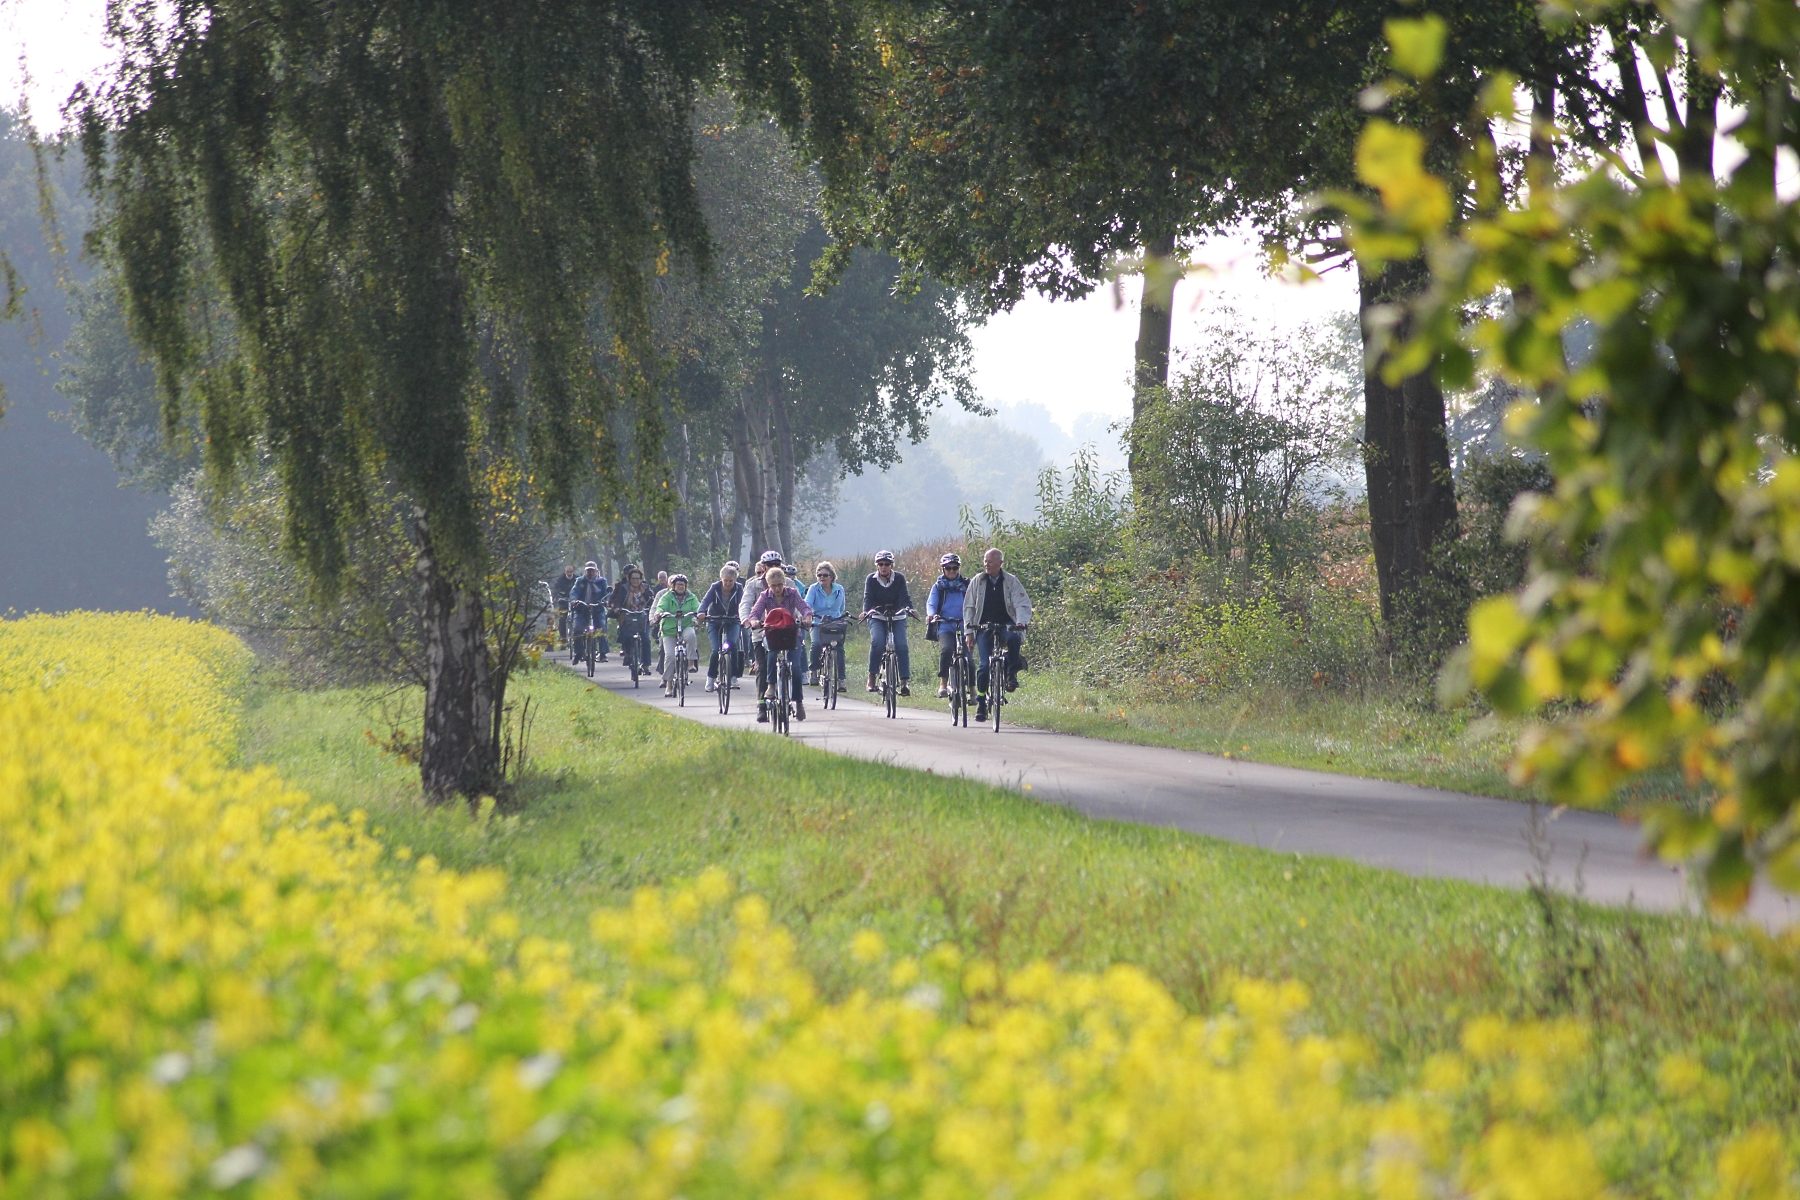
1416 46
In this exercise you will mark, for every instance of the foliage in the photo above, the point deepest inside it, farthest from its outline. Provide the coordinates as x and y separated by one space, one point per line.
1663 562
224 553
180 1016
113 401
1229 463
1081 513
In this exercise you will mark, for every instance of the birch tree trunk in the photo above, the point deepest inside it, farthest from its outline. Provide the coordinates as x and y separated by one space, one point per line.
460 755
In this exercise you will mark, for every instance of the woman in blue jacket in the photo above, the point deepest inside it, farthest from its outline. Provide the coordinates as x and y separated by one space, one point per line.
826 599
944 612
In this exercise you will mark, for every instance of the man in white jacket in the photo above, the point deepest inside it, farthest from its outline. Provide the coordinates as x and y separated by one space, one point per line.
996 597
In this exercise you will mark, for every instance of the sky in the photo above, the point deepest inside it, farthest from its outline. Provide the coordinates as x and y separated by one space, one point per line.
1072 357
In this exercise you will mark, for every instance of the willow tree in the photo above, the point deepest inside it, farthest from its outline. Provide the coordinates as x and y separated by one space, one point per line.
405 212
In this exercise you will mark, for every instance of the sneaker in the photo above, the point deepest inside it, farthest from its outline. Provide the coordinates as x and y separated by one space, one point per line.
943 691
1012 681
980 711
712 685
871 686
762 714
799 711
904 690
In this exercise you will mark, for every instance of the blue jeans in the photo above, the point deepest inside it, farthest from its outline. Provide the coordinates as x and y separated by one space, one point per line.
765 664
948 632
635 624
878 636
984 648
721 632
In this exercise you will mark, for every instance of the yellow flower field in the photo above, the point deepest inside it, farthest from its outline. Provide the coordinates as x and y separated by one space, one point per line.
210 983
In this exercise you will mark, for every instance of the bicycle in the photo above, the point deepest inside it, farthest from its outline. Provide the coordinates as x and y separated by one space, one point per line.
634 640
997 632
832 631
680 666
728 652
890 656
781 642
962 677
581 635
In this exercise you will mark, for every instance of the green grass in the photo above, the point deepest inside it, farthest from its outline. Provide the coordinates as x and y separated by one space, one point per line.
617 796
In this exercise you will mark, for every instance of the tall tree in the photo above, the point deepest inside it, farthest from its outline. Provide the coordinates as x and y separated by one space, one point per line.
409 209
1029 147
1034 147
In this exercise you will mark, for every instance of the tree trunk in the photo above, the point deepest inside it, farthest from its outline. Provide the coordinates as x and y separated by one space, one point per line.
1406 458
1695 146
749 479
460 755
654 548
1156 318
783 436
683 490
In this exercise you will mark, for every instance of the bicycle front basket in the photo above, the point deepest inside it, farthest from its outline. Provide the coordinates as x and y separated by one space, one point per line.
780 631
832 630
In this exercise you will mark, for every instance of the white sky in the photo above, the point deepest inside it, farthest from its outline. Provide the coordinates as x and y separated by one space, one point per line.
1072 357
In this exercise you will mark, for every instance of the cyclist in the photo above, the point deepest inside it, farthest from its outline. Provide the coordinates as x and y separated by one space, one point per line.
720 609
777 593
670 609
631 596
827 600
559 599
995 597
886 588
661 590
944 610
590 588
753 587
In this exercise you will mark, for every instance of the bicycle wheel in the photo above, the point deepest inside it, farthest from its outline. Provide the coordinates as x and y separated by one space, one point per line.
997 686
833 680
725 657
778 700
890 680
587 653
634 655
681 677
959 698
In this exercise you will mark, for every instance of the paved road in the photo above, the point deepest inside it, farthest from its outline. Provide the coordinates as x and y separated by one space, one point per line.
1420 831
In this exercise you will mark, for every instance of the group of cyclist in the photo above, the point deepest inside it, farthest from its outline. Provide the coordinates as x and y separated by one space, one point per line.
770 598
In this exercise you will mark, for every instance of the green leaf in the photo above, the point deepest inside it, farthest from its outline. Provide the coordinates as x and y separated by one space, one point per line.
1416 47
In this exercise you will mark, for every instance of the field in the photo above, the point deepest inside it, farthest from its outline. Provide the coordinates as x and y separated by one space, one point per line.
721 965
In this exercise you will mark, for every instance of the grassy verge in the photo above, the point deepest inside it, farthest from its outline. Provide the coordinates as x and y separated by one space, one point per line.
618 796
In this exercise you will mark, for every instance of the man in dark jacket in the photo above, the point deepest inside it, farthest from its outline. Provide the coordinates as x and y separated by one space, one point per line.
885 588
591 591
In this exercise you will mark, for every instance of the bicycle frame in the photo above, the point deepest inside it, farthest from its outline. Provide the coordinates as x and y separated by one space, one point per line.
890 657
832 631
581 642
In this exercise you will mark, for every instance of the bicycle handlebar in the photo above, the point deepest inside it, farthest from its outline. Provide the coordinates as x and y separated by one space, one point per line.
887 614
